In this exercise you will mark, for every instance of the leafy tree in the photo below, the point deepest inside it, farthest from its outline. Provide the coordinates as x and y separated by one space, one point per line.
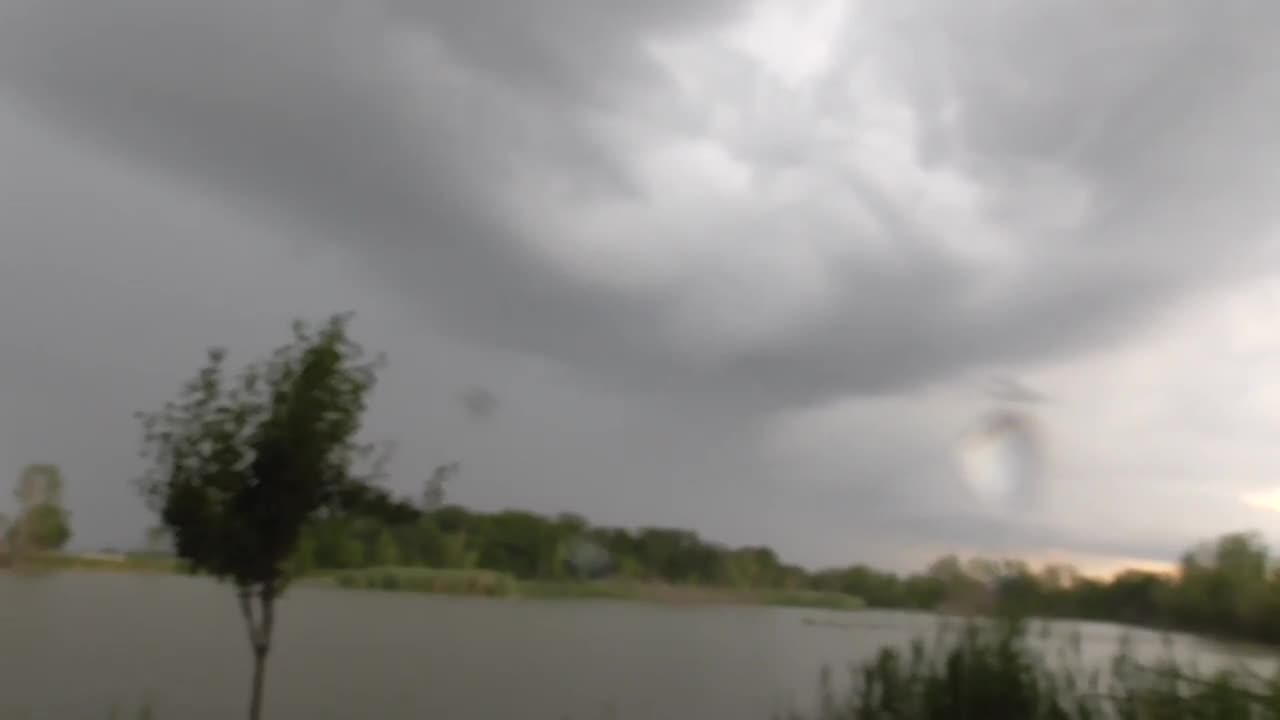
39 484
42 523
239 466
46 527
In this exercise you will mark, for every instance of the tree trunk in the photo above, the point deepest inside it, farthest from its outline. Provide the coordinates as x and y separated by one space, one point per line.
259 625
259 674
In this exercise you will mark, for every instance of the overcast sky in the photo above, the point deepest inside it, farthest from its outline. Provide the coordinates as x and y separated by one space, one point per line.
747 268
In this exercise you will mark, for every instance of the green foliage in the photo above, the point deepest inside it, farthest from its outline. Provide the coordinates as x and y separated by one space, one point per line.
1231 587
994 672
39 484
239 465
46 527
534 547
42 524
385 552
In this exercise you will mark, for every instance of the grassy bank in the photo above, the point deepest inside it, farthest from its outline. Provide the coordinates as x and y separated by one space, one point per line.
99 561
483 583
493 584
992 672
688 594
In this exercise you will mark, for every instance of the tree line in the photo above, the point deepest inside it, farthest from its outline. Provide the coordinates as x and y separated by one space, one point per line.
1229 586
258 476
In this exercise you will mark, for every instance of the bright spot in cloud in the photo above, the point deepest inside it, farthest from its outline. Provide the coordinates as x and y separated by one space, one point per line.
792 41
1264 500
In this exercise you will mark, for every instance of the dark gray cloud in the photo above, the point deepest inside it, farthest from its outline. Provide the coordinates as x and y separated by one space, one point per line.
402 133
693 243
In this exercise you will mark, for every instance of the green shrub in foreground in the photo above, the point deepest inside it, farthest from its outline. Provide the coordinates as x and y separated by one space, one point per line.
992 672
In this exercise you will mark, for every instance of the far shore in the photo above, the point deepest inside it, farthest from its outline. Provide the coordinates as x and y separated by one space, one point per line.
481 583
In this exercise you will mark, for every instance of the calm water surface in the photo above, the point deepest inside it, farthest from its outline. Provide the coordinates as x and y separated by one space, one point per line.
76 644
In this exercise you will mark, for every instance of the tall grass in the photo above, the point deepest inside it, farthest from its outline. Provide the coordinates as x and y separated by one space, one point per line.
993 672
428 580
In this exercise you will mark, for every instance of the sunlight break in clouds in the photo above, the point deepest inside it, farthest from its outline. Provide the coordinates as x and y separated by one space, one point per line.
792 41
1264 500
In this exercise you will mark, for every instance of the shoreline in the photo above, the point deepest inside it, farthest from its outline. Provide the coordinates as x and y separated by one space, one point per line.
486 583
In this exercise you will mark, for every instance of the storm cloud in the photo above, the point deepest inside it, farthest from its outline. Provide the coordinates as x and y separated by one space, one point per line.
672 236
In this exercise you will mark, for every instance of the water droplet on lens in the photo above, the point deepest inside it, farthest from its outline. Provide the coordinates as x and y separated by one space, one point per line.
587 558
480 403
1000 458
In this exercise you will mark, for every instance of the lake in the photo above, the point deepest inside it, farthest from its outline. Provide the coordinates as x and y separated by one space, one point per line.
75 644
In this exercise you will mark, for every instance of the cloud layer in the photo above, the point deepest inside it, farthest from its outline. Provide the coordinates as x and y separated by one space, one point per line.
708 221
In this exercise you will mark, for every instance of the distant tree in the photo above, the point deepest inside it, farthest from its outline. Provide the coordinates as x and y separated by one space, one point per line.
433 491
240 466
42 523
1059 576
39 484
45 527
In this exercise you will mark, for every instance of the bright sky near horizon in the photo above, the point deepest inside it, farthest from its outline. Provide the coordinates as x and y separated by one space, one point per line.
750 268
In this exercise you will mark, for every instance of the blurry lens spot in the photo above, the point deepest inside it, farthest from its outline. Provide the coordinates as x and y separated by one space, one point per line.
587 559
479 403
1000 458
